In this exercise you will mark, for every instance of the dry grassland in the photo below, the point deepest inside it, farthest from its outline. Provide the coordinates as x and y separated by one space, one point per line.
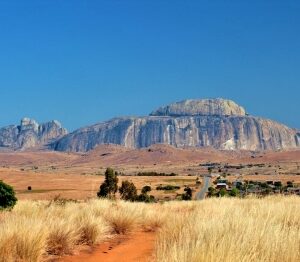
224 229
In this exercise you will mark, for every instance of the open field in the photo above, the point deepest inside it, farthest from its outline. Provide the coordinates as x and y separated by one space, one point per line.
223 229
227 229
76 176
80 187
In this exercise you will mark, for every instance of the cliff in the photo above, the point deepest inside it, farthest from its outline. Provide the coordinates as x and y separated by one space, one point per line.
216 123
30 134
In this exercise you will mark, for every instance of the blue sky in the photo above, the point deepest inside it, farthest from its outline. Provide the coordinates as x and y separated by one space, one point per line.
83 62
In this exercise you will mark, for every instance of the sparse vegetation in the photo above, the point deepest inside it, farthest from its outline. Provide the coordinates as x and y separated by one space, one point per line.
155 174
167 187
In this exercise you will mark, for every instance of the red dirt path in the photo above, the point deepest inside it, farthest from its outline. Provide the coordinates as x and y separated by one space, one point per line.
137 247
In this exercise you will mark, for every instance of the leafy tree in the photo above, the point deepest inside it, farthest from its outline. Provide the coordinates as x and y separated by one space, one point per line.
128 191
188 194
7 196
110 185
146 189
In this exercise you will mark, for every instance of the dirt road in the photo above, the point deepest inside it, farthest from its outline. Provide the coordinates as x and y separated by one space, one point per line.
137 247
201 194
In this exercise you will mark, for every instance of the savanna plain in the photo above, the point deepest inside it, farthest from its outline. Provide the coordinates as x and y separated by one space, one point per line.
61 219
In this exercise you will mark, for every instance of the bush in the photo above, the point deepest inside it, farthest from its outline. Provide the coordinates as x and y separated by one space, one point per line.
110 185
211 192
7 196
223 192
146 189
128 191
188 194
155 174
278 184
234 192
168 187
145 198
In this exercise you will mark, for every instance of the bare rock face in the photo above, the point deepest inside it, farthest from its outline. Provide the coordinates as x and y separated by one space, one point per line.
204 107
30 134
218 123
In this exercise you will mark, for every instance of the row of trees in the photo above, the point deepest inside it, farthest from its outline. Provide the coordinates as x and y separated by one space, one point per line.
128 190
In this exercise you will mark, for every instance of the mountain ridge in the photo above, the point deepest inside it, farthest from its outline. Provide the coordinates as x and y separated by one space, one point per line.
216 123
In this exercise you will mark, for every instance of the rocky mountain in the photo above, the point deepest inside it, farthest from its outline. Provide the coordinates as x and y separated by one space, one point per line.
204 107
216 123
30 134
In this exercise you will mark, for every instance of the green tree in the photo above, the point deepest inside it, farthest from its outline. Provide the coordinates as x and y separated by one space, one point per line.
7 196
110 185
188 194
128 191
146 189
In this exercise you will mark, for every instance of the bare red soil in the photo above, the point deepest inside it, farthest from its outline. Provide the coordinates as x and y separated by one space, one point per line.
135 247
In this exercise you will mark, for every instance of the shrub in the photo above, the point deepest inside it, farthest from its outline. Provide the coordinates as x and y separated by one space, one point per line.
234 192
211 191
145 198
223 192
146 189
155 174
128 191
7 196
110 185
188 194
168 187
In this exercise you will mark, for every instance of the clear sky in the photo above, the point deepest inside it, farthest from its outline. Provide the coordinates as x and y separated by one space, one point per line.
83 62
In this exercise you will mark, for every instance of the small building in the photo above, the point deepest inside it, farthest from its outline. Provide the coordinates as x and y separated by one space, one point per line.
222 185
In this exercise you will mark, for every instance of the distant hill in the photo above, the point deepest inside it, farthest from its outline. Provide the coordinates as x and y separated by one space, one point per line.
215 123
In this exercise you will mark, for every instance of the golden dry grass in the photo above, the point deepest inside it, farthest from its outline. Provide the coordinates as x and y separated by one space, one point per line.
224 229
232 230
37 229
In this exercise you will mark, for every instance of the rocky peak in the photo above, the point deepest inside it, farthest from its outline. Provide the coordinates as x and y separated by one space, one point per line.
30 134
27 123
201 107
